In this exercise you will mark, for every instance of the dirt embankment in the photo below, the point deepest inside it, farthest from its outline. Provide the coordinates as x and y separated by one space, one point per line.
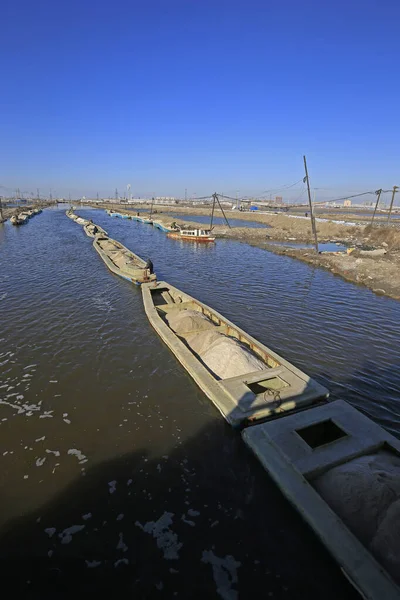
9 212
380 273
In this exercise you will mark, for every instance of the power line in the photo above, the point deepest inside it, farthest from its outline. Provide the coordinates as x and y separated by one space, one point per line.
354 196
283 187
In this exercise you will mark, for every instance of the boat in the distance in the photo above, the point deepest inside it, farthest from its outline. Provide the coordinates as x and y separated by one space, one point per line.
192 235
245 380
18 220
165 228
24 216
91 229
123 262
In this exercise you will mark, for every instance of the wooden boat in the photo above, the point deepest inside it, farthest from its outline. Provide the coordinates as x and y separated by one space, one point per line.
70 213
162 227
341 471
17 220
91 230
267 387
122 261
192 235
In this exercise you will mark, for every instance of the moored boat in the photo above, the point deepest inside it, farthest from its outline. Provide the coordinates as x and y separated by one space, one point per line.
17 220
123 262
91 230
162 227
192 235
70 213
341 471
243 378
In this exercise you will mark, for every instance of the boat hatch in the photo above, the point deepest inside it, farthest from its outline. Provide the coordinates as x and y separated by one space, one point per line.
161 296
319 434
260 387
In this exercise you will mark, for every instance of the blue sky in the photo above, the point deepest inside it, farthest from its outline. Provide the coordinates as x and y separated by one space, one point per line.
204 95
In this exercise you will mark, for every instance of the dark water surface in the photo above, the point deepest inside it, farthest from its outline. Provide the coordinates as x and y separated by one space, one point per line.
117 473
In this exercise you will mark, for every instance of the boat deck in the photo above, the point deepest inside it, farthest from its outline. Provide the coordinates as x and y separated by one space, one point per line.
243 399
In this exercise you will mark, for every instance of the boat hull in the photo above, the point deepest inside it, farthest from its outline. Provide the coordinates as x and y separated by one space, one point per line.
142 275
191 238
296 464
233 397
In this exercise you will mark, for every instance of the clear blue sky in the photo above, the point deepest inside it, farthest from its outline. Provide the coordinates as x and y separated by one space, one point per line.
206 95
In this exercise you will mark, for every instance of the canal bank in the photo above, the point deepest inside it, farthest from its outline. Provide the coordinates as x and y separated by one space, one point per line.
143 485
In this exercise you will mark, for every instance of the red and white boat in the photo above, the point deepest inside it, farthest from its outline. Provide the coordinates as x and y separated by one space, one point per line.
192 235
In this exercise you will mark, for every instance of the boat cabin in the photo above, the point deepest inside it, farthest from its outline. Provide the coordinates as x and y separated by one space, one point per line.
196 232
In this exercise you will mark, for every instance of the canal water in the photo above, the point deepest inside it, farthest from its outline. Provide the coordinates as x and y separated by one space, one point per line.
117 473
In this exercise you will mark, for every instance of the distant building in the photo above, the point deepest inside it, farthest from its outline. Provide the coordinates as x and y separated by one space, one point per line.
278 200
347 203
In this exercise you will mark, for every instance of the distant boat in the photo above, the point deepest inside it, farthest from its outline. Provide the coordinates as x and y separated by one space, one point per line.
164 228
192 235
17 220
91 230
122 261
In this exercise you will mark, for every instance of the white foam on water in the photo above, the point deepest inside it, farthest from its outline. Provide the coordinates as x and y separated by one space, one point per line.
167 540
121 561
92 564
29 367
55 452
112 486
87 516
41 439
40 461
50 531
66 535
47 414
193 513
79 455
224 573
121 544
67 421
120 517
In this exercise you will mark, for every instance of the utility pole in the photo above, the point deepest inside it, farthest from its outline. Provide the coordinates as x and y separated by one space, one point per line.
314 229
97 196
395 188
38 194
116 194
185 195
216 199
378 193
51 196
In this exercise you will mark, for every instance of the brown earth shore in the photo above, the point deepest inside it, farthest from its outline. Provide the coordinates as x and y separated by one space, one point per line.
10 212
380 273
